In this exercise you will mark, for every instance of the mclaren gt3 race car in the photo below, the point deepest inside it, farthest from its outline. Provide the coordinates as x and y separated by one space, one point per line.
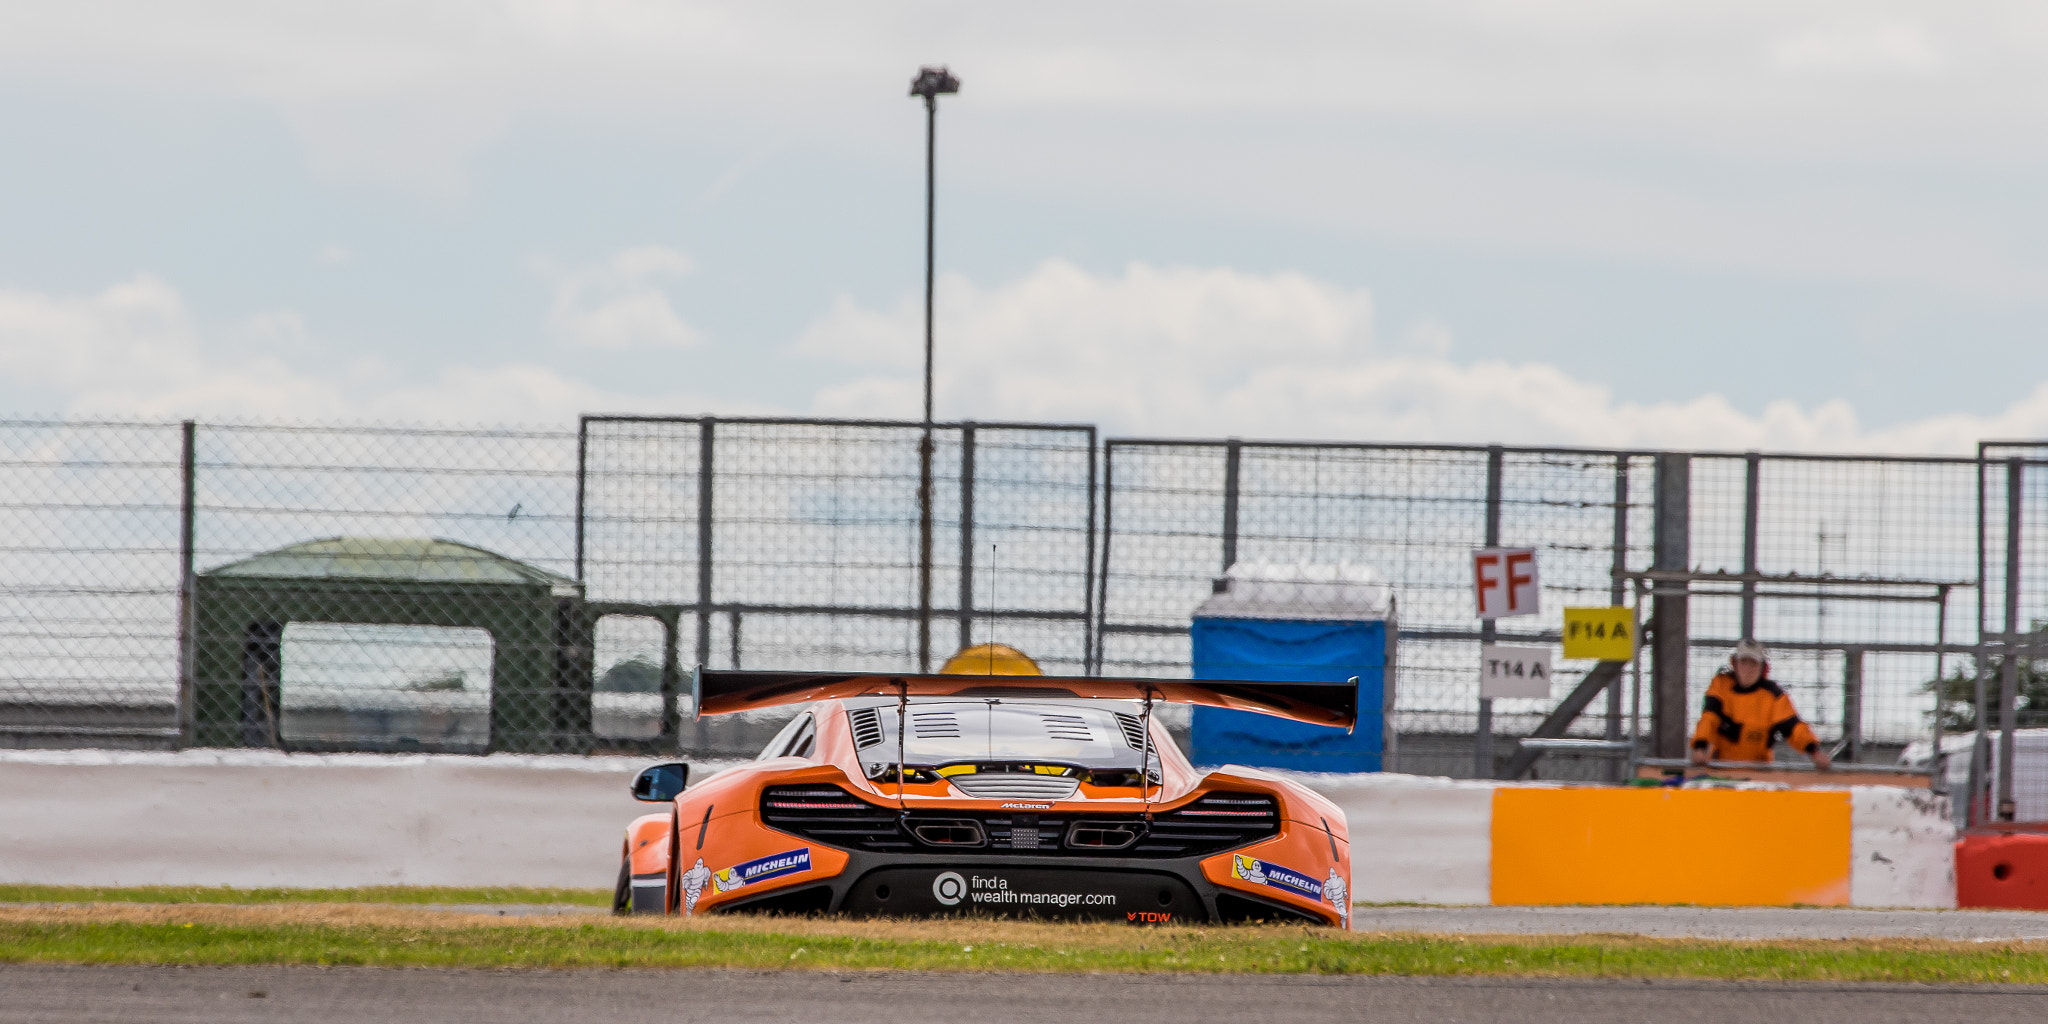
930 795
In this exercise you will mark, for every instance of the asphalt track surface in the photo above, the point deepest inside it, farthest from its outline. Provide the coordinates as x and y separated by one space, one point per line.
314 995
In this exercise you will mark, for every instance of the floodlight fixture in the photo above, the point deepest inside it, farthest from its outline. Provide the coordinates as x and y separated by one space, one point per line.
932 82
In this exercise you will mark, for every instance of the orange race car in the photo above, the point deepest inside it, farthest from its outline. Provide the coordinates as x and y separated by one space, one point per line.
925 795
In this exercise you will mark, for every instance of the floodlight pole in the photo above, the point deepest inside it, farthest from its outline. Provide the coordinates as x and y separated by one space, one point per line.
931 82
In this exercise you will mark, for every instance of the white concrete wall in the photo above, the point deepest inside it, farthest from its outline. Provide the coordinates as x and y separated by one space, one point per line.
254 818
1430 840
265 819
1415 838
1901 848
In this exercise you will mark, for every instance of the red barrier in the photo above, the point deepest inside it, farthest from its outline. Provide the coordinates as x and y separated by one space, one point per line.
2002 870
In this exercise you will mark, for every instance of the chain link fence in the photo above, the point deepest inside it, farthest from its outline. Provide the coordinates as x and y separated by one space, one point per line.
2007 692
364 588
1857 571
387 588
91 513
800 544
374 588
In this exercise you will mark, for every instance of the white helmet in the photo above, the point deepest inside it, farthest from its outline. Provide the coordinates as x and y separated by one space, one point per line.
1747 648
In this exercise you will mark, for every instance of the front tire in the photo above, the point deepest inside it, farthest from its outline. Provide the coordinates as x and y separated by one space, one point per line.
672 902
622 895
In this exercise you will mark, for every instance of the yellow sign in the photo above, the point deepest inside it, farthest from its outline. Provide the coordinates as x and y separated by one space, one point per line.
1608 634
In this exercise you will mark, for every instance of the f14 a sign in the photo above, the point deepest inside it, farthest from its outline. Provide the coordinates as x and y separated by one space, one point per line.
1504 580
1514 671
1608 634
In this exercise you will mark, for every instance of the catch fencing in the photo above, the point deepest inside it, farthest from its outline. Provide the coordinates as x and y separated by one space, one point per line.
397 588
803 544
2008 690
1857 571
359 587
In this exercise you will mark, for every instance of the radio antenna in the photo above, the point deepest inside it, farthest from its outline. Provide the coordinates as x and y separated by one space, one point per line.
902 757
1145 758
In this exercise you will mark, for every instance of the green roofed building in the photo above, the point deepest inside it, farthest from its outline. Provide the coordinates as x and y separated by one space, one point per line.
369 611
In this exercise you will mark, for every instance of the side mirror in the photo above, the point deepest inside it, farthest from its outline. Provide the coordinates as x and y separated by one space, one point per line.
661 783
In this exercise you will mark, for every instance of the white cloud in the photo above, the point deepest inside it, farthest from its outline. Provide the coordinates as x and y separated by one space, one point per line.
1879 49
1064 344
1210 353
1151 350
135 349
619 304
1697 132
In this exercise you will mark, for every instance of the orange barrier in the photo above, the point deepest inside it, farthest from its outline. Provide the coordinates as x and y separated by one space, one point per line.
2002 870
1703 847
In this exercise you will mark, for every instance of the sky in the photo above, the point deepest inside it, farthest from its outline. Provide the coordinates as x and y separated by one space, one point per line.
1788 226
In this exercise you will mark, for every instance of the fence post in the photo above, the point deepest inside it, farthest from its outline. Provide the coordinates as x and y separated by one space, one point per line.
188 718
1751 474
2009 677
1852 704
671 679
1108 534
1090 641
733 637
1669 610
1936 759
1616 766
1232 451
582 460
1980 751
966 605
1482 738
706 446
1980 707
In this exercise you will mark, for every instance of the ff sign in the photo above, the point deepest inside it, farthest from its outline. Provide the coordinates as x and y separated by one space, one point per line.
1504 580
1514 671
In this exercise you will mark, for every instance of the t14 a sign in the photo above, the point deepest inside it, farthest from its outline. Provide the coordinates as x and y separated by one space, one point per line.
1514 671
1504 580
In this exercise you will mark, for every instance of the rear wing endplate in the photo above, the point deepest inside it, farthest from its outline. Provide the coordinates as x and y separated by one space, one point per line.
722 692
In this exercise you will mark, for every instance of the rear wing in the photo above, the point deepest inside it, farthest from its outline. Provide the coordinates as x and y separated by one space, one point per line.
719 692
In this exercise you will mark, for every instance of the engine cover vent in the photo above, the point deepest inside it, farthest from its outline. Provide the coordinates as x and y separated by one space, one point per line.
934 725
1016 786
1134 730
1070 728
867 727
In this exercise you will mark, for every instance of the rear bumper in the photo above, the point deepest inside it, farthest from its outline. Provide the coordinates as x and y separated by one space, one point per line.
1134 890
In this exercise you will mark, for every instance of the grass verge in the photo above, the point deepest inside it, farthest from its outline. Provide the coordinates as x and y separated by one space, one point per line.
391 894
342 934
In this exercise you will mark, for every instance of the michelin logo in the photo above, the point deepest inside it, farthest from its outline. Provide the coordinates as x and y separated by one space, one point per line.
1339 896
772 866
1260 872
694 881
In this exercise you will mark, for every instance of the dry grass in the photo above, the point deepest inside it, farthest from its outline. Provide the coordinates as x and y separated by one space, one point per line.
967 931
332 933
